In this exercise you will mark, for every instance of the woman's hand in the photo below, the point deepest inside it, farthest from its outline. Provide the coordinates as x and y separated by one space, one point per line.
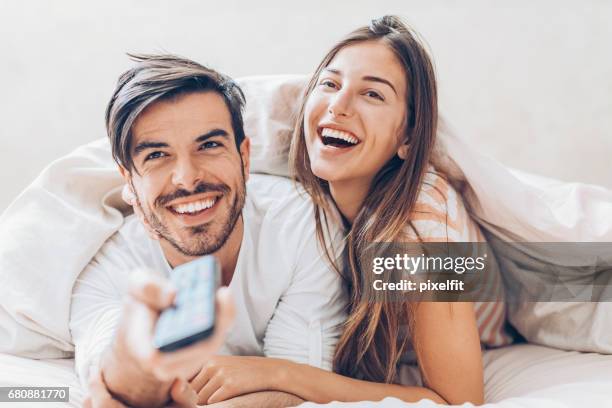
225 377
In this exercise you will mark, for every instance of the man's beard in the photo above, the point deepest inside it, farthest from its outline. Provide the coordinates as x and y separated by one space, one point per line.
201 240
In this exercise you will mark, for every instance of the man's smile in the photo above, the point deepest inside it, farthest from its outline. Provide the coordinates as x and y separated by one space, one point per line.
195 210
194 207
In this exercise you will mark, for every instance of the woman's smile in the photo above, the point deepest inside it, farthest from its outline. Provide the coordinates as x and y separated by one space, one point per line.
333 141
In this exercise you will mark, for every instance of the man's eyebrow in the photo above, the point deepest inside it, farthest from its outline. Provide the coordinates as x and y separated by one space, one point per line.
371 78
212 133
144 145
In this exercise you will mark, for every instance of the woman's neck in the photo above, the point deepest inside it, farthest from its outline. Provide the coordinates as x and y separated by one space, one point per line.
349 196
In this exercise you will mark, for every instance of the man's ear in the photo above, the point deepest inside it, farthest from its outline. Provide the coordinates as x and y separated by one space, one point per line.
127 193
402 151
127 177
245 153
125 174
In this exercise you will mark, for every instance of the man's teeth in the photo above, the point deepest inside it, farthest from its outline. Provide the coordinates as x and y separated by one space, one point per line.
194 207
338 134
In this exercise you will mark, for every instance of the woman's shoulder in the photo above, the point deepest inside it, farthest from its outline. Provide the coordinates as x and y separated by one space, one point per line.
440 214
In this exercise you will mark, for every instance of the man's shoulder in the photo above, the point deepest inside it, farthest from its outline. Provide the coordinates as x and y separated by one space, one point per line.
279 201
280 221
287 220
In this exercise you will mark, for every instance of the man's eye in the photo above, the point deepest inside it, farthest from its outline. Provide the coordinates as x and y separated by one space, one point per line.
154 155
375 95
210 145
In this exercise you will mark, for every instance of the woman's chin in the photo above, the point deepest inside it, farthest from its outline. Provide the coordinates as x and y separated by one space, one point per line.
327 172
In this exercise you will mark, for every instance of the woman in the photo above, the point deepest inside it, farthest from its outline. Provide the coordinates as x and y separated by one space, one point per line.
361 148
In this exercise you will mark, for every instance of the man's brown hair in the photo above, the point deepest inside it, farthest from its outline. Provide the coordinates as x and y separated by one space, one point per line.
161 77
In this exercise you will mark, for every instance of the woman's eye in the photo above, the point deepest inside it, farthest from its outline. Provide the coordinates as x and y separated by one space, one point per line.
328 84
374 94
154 155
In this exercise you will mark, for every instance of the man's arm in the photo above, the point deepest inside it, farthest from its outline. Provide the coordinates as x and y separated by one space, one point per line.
310 315
134 370
128 377
181 393
99 310
304 327
95 311
116 336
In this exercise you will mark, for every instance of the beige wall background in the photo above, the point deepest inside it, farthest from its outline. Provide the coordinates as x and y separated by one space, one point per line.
527 82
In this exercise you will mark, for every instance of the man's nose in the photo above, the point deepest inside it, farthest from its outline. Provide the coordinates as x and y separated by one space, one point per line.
187 174
341 104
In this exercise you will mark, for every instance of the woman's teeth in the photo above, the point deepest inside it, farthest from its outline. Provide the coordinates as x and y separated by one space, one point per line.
339 136
194 207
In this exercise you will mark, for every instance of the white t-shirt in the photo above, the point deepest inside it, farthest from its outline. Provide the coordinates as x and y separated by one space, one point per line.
289 302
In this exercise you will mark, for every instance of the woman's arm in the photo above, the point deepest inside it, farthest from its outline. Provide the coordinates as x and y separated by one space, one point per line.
448 353
313 384
224 378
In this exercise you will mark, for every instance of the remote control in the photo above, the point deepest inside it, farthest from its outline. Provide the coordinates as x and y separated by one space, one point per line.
192 317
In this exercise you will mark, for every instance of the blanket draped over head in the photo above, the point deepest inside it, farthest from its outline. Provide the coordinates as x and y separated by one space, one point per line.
56 225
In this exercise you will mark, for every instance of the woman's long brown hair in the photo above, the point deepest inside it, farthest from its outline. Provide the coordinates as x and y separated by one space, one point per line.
373 339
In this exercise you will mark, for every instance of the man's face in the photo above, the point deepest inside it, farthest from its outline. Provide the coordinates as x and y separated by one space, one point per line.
190 177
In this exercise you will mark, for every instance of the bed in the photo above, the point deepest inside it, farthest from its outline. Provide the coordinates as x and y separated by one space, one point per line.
522 375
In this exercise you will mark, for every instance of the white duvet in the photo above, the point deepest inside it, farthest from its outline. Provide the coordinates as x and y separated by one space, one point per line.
52 230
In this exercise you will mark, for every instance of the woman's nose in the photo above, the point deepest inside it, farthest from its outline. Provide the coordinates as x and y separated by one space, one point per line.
187 174
341 104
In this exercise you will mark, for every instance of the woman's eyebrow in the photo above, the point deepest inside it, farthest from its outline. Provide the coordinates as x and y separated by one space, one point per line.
332 70
370 78
380 80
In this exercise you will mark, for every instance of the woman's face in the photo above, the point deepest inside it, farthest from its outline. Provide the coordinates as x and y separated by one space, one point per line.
355 114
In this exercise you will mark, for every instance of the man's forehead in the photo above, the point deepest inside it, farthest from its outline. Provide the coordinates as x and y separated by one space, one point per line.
187 114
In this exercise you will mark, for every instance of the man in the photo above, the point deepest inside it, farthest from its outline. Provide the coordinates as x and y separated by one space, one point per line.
176 132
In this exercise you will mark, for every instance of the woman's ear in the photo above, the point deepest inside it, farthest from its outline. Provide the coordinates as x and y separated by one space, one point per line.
402 151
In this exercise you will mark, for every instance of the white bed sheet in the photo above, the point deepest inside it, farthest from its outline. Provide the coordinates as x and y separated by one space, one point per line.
19 371
531 376
525 376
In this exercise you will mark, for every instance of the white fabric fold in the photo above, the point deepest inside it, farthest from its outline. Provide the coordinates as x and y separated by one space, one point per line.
47 236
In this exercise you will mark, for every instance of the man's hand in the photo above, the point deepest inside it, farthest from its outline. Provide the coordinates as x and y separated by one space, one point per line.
99 397
134 370
181 392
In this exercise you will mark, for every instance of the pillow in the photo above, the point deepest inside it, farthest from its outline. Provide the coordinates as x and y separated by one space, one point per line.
272 105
